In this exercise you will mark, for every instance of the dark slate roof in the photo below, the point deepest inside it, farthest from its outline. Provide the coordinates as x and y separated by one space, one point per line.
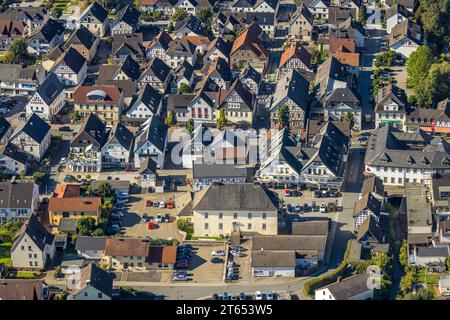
129 15
244 196
4 126
81 36
159 68
349 287
205 170
49 30
50 89
294 86
133 43
251 73
192 23
185 70
371 231
90 243
131 68
93 275
219 67
342 95
123 136
149 166
261 18
272 3
368 201
16 195
94 130
244 3
35 128
432 251
98 12
155 131
223 46
74 60
150 97
12 151
36 231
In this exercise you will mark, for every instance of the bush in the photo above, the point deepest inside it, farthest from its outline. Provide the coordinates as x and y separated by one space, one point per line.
58 273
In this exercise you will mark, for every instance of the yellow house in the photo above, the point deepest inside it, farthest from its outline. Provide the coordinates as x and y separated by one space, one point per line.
74 207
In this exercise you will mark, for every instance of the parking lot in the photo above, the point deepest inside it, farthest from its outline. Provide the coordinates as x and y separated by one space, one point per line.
244 262
134 226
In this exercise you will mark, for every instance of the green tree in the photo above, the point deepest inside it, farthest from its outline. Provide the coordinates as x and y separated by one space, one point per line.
283 116
434 16
190 125
403 256
38 177
447 262
170 27
98 232
362 14
435 87
108 204
419 63
348 117
407 282
205 15
75 117
184 88
58 273
17 52
170 118
221 119
105 191
178 15
56 12
85 226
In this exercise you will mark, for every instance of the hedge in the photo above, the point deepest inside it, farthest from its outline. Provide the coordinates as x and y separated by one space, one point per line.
327 278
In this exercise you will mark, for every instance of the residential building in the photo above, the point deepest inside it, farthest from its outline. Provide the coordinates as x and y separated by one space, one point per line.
406 37
357 287
33 246
220 210
218 48
12 30
368 205
95 18
251 78
71 68
118 150
301 24
18 201
33 136
162 257
16 79
237 102
394 15
147 173
127 253
159 46
85 147
22 289
436 121
205 174
291 90
147 103
13 160
399 158
48 100
295 57
126 21
124 45
191 26
50 35
180 50
93 283
248 49
390 107
151 141
157 75
440 194
105 101
318 8
33 17
84 42
74 208
183 74
339 103
90 248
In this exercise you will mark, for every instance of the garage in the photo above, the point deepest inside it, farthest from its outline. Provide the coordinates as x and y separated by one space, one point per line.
266 263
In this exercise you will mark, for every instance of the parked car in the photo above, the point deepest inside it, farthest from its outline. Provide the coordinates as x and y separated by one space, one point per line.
218 253
289 207
258 295
270 295
162 204
235 253
287 192
317 194
242 296
226 296
155 204
323 208
150 225
298 208
167 217
119 206
215 296
217 260
305 207
331 206
314 207
148 203
295 193
170 204
158 218
237 248
180 278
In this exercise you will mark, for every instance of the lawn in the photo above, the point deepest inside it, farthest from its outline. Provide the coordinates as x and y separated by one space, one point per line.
27 274
5 253
428 278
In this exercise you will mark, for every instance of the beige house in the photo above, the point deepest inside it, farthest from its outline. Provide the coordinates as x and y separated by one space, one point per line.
33 246
84 42
126 253
220 210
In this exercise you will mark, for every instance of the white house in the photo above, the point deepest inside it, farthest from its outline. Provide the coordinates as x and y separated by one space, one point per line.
48 100
13 160
33 136
394 15
118 150
71 68
126 22
151 141
93 283
146 104
95 18
20 201
50 35
92 248
406 37
33 247
357 287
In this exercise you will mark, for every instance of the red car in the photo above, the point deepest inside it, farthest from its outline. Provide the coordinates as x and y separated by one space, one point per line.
150 226
148 203
287 192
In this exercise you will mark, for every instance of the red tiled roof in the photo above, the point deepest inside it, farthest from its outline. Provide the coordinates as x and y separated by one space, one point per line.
348 58
339 43
249 37
81 94
296 50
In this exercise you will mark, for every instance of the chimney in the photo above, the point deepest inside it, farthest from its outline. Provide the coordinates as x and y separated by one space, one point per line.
338 279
